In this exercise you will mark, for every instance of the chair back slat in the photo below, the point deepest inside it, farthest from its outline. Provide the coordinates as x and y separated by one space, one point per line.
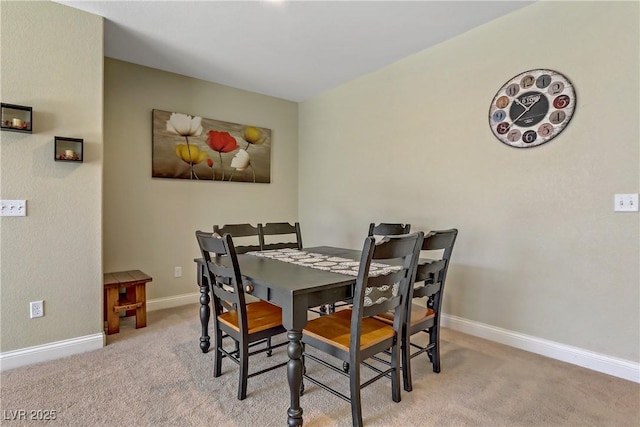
429 270
440 239
244 231
388 229
209 246
382 306
279 229
389 249
386 279
280 245
427 290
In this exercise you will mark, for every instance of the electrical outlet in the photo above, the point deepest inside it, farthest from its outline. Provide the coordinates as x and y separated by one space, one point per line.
177 272
626 202
36 309
13 208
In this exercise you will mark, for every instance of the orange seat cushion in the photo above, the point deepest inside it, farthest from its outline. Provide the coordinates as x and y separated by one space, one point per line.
260 316
418 314
335 329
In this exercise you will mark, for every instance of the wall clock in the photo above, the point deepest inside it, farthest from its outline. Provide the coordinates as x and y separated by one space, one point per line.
532 108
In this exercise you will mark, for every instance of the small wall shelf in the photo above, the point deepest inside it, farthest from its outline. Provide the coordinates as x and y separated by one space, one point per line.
68 149
16 118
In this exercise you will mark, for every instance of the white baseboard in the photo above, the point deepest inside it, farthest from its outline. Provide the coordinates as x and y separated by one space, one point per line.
170 302
576 356
595 361
58 349
50 351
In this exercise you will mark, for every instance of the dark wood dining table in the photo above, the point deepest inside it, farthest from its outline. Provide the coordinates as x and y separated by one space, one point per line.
295 288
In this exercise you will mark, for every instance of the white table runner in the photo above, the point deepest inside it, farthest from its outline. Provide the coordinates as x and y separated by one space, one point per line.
324 262
336 265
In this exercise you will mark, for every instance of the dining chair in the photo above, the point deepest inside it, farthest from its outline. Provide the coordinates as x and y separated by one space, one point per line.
248 325
388 229
381 229
244 231
354 335
241 230
430 278
280 229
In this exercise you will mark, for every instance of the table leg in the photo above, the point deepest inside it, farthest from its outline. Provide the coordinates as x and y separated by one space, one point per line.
205 313
294 375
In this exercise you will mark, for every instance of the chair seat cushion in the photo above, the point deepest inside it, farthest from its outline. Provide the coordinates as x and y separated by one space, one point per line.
418 315
335 329
260 316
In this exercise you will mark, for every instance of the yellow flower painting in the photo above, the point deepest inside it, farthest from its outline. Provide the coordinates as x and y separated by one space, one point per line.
187 146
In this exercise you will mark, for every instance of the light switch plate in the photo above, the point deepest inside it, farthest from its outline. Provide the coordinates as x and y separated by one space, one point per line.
13 208
626 202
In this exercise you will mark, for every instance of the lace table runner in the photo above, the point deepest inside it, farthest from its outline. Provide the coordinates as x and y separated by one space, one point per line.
324 262
336 265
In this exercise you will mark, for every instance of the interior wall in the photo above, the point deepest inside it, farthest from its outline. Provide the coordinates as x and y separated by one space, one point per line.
52 61
150 223
540 250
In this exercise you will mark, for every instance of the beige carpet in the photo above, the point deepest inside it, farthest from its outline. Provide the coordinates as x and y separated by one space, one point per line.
158 376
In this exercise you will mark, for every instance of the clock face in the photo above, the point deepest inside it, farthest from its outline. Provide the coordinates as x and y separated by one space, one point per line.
532 108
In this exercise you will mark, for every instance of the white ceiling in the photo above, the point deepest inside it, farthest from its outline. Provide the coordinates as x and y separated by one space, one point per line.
287 49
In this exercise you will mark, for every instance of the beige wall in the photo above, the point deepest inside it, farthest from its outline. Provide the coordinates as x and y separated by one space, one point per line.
149 223
52 61
540 250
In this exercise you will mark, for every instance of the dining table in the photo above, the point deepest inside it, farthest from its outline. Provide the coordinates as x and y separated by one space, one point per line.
295 287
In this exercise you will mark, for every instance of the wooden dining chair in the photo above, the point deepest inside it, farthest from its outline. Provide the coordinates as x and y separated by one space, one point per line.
355 335
382 229
430 278
248 325
241 231
280 229
388 229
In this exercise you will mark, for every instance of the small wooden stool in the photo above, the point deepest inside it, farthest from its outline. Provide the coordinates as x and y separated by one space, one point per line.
134 282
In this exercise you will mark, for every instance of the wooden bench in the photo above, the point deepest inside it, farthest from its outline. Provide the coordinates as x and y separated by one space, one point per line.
134 302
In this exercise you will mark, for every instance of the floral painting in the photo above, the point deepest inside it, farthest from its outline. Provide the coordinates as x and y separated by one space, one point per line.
196 148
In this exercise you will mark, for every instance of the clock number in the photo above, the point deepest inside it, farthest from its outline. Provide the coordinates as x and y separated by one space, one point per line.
512 89
543 81
545 130
529 136
527 82
502 102
557 117
561 101
499 115
556 88
502 128
513 135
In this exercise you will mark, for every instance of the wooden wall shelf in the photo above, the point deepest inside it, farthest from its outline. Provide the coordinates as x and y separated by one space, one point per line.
16 118
68 149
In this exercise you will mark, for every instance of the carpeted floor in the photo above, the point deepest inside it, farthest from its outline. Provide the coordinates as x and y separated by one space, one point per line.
159 376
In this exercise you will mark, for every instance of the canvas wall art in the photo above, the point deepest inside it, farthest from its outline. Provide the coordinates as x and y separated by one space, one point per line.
197 148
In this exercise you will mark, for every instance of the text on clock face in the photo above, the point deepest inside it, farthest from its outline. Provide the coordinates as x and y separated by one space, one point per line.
529 100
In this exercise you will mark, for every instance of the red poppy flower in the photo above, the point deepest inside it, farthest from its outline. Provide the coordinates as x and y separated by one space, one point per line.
222 142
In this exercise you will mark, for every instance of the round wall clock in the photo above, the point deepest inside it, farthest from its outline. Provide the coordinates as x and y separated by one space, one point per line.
532 108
